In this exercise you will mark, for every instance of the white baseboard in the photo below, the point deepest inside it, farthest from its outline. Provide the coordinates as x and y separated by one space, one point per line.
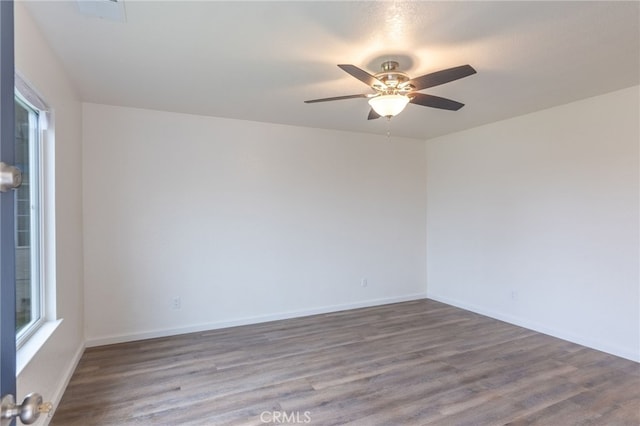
62 386
541 328
121 338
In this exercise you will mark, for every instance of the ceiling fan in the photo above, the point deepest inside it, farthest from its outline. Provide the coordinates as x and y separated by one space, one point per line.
395 89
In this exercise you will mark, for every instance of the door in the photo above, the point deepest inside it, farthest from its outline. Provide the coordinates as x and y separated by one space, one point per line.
10 178
7 203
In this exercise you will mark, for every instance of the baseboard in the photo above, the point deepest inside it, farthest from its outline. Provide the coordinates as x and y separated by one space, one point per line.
541 328
151 334
62 386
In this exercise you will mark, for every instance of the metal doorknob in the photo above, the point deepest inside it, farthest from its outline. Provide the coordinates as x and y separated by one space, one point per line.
10 177
28 412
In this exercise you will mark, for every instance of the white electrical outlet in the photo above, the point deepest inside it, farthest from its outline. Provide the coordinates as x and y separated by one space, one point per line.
176 303
363 282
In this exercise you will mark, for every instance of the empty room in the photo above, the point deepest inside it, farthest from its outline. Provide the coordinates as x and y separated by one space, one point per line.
320 212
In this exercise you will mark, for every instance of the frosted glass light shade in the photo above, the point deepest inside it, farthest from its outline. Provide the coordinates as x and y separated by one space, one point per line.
388 105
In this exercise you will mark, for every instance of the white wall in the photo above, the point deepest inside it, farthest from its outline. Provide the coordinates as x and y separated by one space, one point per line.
243 221
49 370
534 220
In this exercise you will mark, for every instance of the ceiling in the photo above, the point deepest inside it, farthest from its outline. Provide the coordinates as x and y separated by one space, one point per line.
260 60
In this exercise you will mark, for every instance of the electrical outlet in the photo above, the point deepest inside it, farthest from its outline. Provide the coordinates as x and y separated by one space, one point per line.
363 282
176 303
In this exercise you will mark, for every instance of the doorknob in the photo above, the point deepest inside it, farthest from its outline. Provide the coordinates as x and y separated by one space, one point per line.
28 411
10 177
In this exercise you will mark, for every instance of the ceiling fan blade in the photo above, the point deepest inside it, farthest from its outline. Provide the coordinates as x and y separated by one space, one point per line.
434 101
337 98
441 77
373 115
361 75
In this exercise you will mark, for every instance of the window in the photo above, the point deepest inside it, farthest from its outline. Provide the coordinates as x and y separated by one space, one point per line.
29 282
36 319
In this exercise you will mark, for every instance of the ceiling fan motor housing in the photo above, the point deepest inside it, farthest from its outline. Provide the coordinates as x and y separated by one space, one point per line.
395 82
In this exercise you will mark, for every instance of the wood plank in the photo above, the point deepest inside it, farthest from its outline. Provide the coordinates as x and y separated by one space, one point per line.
413 363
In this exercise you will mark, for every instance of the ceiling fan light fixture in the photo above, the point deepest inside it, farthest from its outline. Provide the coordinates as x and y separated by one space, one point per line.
389 105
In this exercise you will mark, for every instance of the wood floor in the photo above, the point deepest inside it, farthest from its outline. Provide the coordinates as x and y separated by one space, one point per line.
413 363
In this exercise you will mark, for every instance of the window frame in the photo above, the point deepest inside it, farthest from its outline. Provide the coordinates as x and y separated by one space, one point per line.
36 199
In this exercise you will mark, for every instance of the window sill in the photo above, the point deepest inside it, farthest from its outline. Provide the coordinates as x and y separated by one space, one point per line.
30 348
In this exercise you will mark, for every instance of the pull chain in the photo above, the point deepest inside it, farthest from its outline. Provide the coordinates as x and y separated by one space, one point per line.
389 127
